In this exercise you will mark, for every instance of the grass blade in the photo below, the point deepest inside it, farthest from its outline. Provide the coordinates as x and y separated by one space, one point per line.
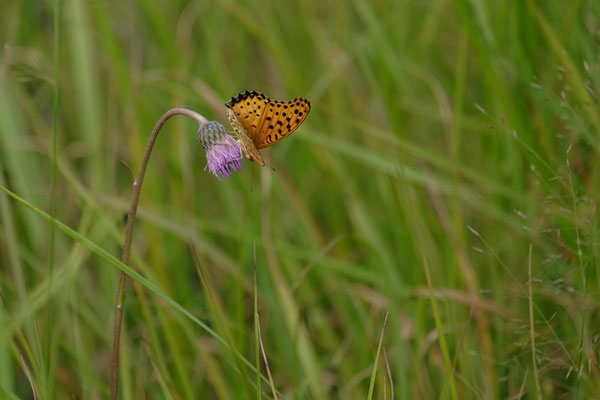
374 373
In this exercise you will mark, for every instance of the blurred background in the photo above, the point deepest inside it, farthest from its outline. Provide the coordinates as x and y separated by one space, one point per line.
451 139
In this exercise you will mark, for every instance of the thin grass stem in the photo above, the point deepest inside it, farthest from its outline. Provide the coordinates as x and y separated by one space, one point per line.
374 372
256 341
53 171
531 330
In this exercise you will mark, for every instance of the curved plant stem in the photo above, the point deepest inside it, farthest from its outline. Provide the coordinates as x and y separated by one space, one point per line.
135 196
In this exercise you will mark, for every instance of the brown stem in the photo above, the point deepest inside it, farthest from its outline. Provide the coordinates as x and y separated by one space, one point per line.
135 196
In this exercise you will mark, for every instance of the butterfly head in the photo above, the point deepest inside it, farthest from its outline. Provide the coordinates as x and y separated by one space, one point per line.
258 159
250 150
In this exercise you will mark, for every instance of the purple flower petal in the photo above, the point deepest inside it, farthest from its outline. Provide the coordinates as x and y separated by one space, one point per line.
223 153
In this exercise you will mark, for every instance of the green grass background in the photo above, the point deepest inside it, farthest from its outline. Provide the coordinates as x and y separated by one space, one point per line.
451 137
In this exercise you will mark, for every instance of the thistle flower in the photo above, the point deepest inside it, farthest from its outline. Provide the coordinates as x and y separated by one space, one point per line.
223 153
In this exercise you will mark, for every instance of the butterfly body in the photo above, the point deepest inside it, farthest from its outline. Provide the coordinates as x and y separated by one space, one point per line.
246 144
260 122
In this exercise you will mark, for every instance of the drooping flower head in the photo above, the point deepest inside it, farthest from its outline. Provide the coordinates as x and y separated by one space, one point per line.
223 153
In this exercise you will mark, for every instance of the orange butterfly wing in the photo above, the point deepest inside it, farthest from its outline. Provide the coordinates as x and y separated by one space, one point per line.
248 108
265 121
280 119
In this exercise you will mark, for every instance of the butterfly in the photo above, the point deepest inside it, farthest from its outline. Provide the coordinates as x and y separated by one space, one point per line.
260 122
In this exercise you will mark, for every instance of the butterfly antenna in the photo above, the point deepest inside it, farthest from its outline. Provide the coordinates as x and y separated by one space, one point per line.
272 168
